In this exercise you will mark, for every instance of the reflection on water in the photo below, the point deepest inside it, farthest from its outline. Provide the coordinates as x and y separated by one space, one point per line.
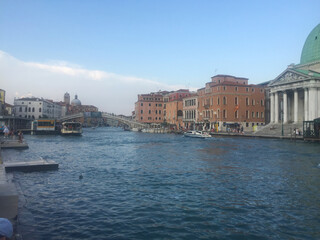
149 186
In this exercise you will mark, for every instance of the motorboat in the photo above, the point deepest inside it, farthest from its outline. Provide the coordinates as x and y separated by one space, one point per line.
197 134
71 128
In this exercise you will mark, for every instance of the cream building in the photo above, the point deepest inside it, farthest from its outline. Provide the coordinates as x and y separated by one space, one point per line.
295 93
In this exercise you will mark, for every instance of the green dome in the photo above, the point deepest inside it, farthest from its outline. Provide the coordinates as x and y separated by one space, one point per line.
311 49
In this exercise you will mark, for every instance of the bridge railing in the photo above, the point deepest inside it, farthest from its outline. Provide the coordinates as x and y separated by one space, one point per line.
70 117
124 120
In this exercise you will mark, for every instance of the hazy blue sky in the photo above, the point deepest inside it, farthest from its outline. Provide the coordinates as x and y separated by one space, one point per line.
109 51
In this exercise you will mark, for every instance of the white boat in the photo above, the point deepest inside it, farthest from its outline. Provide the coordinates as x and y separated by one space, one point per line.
197 134
71 128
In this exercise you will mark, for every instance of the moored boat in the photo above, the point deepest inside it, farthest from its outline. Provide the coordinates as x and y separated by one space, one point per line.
197 134
71 128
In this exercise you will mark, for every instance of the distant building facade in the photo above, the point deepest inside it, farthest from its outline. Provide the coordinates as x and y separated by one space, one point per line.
230 102
150 108
190 106
173 108
2 101
35 108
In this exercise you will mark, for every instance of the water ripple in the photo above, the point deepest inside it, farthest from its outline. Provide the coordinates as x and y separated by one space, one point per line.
149 186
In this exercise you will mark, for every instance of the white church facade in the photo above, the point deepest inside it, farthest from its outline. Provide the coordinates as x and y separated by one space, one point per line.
295 93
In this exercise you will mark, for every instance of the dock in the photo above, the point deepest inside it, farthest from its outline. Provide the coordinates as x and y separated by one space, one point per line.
13 144
8 196
31 166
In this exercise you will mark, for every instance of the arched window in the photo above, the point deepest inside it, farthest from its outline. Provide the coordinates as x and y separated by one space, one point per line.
180 113
224 100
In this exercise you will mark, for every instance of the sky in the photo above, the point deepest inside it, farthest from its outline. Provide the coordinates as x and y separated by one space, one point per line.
110 51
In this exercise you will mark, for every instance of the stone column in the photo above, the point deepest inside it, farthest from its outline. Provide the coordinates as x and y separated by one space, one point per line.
313 103
285 107
306 104
295 105
318 103
271 107
276 107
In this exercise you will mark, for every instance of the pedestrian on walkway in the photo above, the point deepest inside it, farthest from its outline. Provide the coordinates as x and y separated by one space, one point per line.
6 131
20 134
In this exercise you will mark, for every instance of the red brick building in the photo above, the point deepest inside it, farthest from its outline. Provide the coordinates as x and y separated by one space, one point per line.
229 102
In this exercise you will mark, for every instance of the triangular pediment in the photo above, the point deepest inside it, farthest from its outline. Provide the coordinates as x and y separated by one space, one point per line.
289 76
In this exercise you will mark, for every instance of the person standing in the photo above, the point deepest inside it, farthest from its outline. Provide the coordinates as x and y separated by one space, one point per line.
6 131
20 134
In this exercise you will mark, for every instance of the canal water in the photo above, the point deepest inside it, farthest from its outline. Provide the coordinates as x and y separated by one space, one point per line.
161 186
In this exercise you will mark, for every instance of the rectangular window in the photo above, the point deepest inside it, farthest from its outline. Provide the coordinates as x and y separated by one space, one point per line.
253 102
236 100
252 114
261 114
149 111
224 113
141 104
247 101
141 111
247 89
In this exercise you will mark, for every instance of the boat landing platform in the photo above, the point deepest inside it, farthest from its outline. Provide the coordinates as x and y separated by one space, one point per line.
12 144
31 166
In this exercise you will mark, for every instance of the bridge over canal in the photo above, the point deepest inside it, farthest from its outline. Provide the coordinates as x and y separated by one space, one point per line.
124 120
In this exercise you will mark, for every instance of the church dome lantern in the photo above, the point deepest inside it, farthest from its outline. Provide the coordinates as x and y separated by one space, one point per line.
76 101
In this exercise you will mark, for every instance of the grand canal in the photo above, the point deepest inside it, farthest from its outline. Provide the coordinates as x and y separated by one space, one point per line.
154 186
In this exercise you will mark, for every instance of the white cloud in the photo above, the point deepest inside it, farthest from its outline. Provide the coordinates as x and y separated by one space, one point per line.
108 91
